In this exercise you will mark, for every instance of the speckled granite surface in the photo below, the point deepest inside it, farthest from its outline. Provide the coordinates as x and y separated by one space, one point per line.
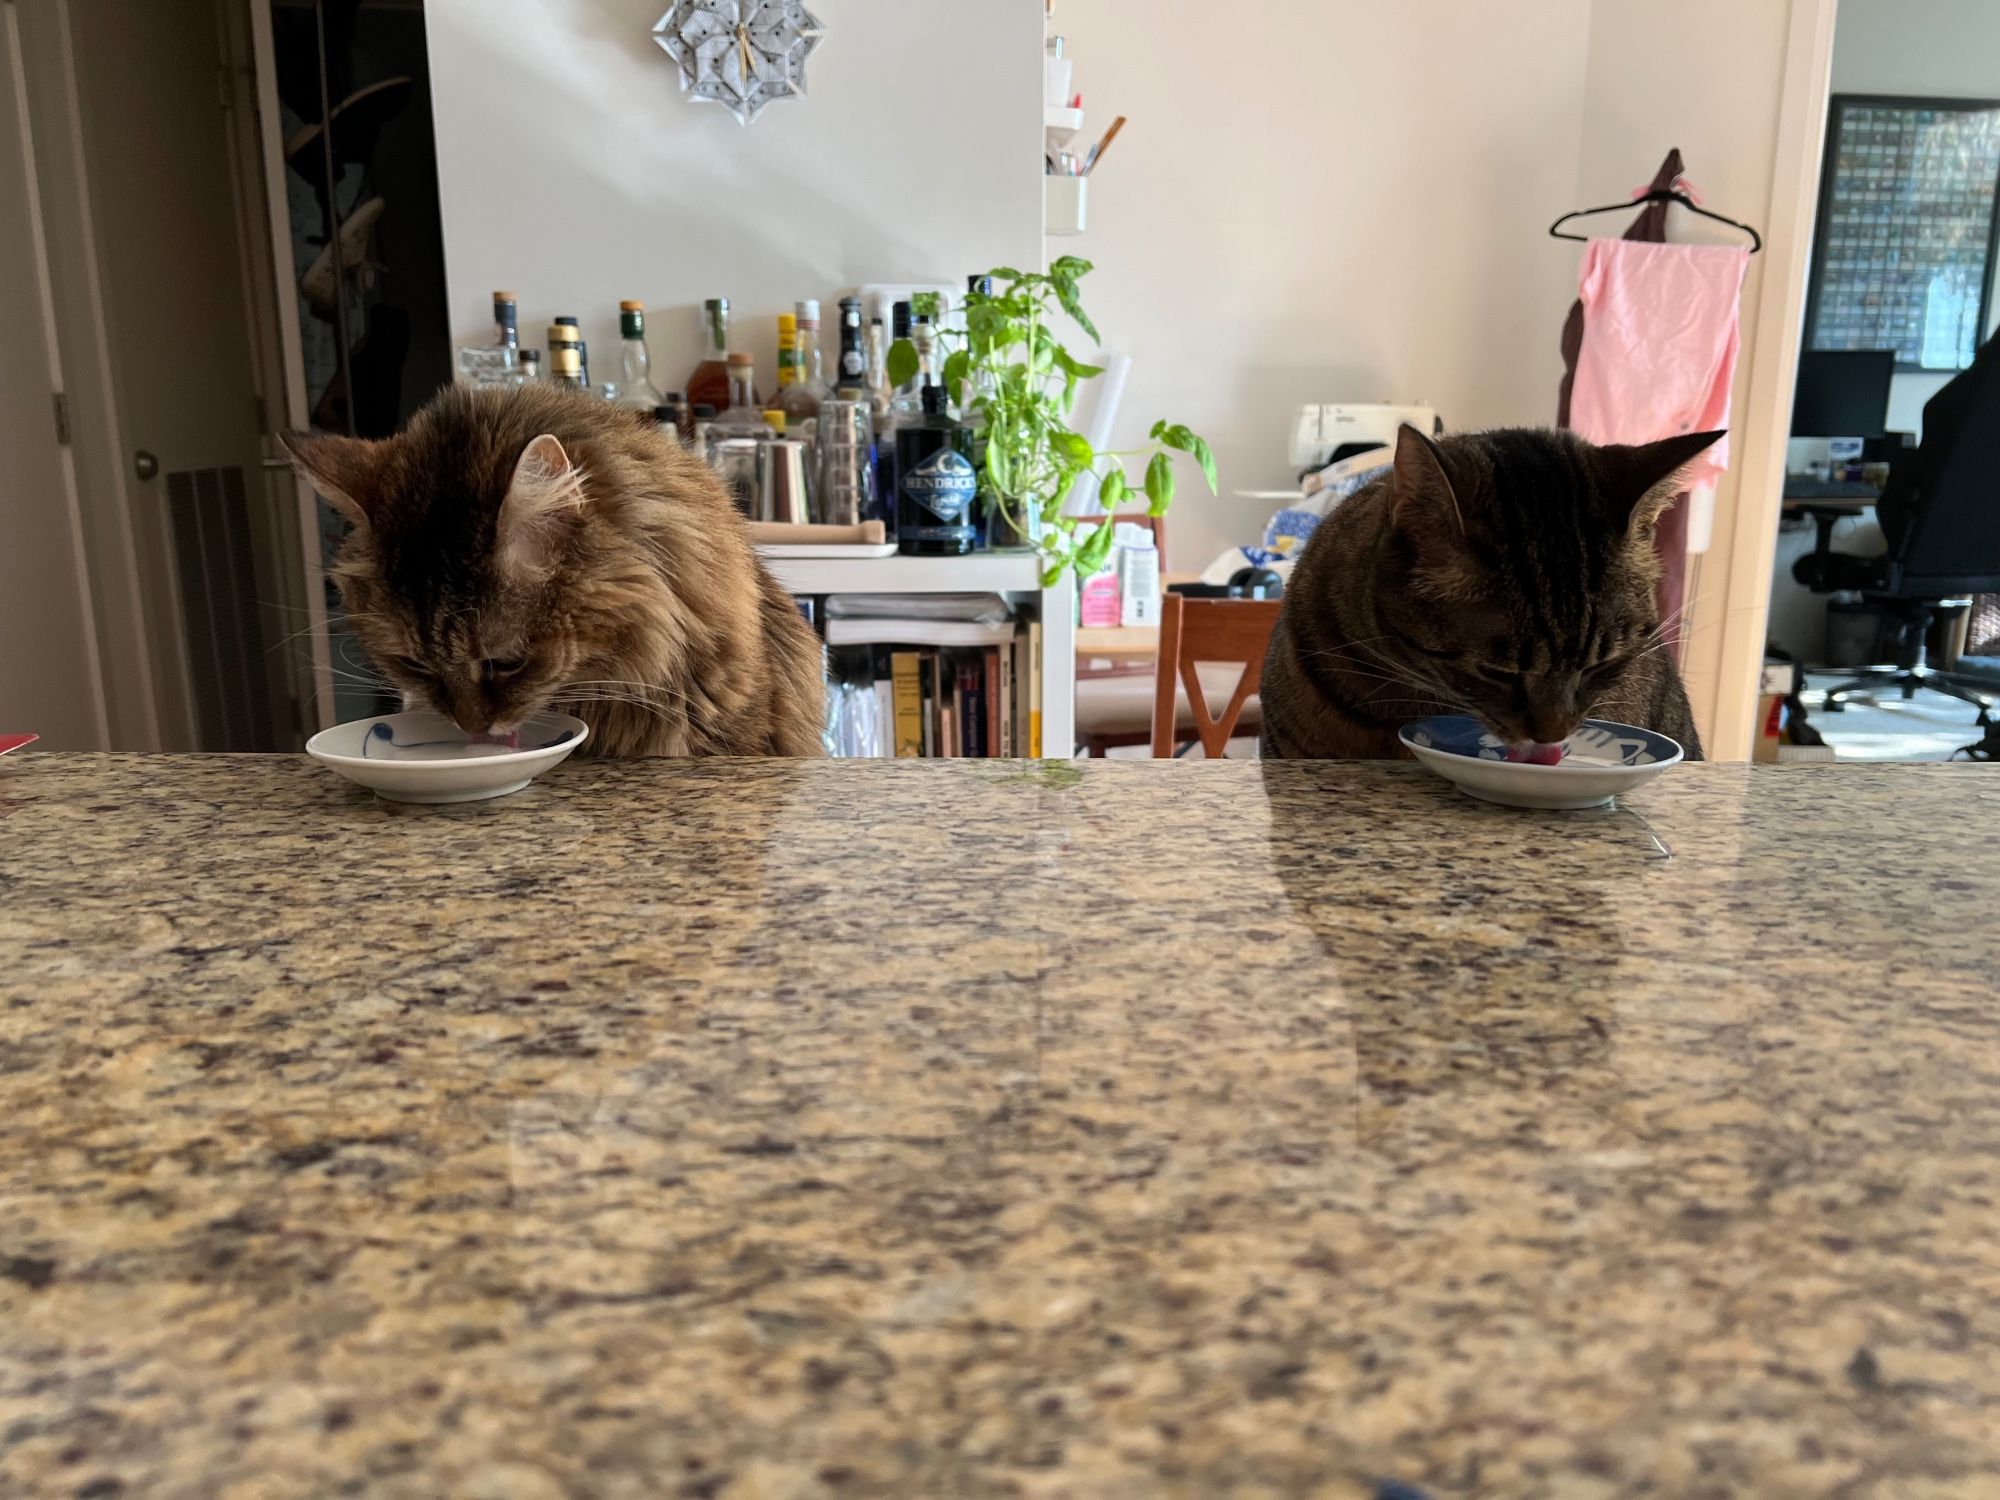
772 1130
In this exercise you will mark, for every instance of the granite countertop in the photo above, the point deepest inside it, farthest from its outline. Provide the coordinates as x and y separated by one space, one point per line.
771 1129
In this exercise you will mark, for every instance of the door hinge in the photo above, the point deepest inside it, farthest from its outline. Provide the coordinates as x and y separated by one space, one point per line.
62 419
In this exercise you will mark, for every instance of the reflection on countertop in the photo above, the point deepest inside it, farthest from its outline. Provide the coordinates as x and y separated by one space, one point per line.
946 1128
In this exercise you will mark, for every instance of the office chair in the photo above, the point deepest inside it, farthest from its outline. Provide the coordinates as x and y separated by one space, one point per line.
1940 513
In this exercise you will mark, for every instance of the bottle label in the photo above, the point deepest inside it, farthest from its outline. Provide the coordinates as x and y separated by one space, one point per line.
851 363
943 484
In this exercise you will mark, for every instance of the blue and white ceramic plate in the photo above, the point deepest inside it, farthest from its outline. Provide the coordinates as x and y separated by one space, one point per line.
1600 761
424 757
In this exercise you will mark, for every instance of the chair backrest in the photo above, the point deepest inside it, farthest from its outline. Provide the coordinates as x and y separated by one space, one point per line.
1227 631
1950 541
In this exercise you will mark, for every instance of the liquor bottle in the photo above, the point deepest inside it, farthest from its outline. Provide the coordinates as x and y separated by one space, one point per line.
744 416
935 483
497 363
636 388
878 370
788 351
775 420
851 381
709 384
800 400
566 357
530 365
672 415
582 349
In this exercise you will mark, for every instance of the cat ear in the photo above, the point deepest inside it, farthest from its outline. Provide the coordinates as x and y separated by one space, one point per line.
1423 499
1423 503
1423 507
1635 477
543 499
340 468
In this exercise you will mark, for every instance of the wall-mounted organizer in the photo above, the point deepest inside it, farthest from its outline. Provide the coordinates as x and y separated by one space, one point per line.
1067 205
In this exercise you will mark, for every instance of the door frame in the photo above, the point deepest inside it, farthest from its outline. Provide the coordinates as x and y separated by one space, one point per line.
125 555
1779 326
259 163
71 499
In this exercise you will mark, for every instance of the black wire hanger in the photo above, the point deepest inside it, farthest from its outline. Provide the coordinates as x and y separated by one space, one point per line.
1657 195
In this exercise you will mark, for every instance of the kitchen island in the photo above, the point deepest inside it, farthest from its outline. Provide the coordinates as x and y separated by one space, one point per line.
969 1129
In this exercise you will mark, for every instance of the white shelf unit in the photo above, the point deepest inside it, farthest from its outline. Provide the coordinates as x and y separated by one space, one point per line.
1018 575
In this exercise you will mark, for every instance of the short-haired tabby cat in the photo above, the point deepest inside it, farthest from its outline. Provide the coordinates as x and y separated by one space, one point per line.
1508 575
515 550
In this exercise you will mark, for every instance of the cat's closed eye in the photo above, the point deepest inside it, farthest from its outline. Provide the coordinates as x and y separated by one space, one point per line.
497 667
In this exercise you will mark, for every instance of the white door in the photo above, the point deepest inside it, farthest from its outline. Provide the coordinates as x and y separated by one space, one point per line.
153 219
50 683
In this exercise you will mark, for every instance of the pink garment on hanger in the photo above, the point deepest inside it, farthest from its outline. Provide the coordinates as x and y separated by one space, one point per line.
1659 344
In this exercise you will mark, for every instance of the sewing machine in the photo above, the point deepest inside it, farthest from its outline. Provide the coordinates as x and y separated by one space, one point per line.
1322 434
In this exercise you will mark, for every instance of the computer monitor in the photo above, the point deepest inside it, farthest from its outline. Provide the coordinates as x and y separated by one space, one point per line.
1843 393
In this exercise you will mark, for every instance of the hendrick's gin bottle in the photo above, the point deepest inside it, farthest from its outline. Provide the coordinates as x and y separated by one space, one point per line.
935 483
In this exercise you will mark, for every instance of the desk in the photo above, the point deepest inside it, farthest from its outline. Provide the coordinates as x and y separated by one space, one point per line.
1205 1127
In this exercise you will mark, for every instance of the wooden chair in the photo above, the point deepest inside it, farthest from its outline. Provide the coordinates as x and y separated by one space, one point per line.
1098 696
1195 631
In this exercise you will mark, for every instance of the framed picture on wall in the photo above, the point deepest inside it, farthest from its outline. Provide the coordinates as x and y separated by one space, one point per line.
1909 227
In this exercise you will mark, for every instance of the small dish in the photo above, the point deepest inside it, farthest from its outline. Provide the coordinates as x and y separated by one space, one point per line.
423 757
1599 762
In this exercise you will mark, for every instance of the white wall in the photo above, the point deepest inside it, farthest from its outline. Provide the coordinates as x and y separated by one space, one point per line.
1706 76
1327 200
572 171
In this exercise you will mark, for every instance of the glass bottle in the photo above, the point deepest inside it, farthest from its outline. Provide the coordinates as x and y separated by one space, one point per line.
851 379
582 349
497 363
566 358
788 352
878 369
935 483
800 401
744 416
530 365
709 384
635 387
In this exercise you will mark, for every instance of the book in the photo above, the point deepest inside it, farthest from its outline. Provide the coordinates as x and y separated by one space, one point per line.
1004 695
990 700
972 711
927 685
918 632
907 679
1035 689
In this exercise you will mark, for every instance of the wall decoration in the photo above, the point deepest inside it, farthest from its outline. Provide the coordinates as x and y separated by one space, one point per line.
741 54
1904 253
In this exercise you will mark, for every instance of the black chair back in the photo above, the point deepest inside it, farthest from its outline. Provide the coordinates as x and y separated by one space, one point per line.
1946 499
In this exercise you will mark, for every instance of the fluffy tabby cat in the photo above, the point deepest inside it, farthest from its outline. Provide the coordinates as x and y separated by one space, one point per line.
515 550
1507 574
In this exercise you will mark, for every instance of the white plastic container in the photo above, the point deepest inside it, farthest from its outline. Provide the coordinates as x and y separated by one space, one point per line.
1138 574
1067 204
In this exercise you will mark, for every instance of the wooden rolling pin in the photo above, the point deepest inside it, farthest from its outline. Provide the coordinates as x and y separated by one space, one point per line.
862 533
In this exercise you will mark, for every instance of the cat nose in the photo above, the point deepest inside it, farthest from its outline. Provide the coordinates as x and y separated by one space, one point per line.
469 712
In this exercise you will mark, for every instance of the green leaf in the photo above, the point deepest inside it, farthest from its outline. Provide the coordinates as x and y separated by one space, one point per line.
1096 547
1159 428
999 466
1205 456
924 304
1113 489
1074 448
1159 484
1066 294
902 364
1004 273
957 367
1073 367
1071 267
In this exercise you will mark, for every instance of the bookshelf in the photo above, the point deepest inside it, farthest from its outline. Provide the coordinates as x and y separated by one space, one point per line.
1014 574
